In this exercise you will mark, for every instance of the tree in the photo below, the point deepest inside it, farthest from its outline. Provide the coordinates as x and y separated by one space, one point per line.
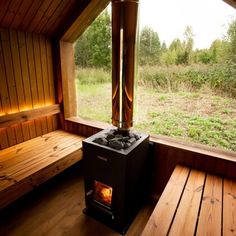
218 51
177 49
231 40
188 45
203 56
163 47
93 48
150 47
168 57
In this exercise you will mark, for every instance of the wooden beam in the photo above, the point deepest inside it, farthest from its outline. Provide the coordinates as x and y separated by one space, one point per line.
15 118
94 8
232 3
67 69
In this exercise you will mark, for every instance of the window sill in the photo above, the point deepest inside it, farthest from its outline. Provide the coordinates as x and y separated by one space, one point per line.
168 141
91 123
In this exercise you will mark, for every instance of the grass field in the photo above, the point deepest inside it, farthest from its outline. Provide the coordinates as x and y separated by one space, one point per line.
200 116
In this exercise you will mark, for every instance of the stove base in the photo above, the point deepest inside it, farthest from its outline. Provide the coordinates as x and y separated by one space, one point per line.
107 220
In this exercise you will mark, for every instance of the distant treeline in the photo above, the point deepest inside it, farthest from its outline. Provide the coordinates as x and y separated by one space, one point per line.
94 46
172 68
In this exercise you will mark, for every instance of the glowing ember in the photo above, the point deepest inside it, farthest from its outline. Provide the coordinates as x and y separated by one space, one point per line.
103 193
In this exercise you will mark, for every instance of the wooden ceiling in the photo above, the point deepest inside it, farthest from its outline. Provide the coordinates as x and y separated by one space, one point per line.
231 2
48 17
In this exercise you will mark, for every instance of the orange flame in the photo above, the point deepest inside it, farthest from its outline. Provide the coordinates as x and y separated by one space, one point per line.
103 193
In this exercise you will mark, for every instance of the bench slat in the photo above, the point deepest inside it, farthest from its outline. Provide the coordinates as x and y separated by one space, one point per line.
163 213
210 215
187 213
46 162
21 148
229 208
35 153
38 163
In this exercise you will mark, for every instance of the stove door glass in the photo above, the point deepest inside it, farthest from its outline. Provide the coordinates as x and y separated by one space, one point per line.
102 193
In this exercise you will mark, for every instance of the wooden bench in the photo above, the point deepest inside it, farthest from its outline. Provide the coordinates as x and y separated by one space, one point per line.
194 203
28 164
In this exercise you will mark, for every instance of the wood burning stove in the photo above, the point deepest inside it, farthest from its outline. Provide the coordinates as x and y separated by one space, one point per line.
115 180
115 160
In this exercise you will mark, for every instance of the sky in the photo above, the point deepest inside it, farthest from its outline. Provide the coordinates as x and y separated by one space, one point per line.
209 19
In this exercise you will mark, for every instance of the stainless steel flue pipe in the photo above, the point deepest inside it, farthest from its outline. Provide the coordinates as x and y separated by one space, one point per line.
124 57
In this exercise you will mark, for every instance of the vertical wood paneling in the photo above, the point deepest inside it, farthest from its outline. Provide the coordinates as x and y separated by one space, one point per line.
3 138
4 98
27 82
50 72
40 129
11 84
43 56
9 70
18 133
33 82
32 129
17 69
38 69
50 76
32 70
11 136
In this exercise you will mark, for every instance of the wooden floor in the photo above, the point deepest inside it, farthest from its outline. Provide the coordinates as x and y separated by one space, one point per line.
55 208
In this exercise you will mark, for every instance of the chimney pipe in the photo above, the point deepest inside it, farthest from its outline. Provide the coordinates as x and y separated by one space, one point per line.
124 47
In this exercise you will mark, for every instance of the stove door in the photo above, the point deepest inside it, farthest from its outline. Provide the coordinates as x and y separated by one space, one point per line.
103 194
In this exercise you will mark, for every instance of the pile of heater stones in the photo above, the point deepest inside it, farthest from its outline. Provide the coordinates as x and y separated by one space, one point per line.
117 140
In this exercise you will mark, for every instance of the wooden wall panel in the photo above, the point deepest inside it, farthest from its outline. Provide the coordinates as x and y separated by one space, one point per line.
27 82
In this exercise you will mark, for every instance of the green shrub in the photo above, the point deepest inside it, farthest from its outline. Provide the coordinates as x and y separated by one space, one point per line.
92 76
220 78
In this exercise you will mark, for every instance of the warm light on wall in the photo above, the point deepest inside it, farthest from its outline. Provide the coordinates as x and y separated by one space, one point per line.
26 108
36 106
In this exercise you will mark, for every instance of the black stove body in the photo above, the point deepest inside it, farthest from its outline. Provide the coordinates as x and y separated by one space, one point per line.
115 181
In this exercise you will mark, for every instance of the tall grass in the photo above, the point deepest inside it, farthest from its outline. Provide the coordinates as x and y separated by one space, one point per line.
219 78
92 75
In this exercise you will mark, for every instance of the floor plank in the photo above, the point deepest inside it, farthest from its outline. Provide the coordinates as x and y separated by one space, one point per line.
55 208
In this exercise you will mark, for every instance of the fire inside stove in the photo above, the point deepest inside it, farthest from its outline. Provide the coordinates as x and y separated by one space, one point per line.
102 193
